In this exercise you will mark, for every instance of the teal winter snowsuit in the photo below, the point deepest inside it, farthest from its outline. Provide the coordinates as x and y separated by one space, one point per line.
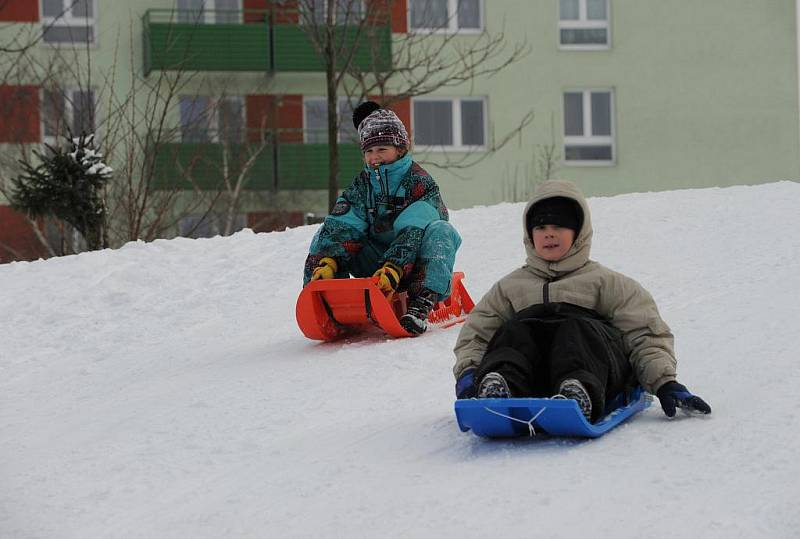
394 214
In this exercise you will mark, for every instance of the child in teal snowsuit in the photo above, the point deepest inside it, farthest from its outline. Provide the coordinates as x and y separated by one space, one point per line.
390 223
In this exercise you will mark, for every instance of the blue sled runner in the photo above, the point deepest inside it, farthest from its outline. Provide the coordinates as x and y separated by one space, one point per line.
504 418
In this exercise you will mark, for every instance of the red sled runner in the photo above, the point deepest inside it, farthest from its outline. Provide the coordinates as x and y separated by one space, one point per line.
330 309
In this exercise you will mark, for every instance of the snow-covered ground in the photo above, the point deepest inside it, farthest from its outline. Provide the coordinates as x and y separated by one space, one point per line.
164 390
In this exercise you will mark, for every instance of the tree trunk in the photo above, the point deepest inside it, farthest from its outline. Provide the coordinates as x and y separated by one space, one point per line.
333 109
93 238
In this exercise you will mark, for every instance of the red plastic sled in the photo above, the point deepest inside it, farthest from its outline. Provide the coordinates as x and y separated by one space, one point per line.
333 308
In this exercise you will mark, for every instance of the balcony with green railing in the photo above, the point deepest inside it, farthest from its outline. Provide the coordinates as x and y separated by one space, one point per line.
251 40
277 162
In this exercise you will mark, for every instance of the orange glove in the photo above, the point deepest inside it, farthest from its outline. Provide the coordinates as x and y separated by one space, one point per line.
388 278
326 269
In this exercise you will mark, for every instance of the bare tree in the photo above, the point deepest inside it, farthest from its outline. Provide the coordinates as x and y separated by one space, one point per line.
137 133
421 63
336 31
234 167
140 130
547 156
521 179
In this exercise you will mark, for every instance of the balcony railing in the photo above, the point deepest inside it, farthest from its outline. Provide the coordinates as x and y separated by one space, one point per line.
279 162
250 40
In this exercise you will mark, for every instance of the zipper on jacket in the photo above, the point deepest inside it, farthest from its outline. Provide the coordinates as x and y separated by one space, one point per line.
546 293
372 207
381 178
383 183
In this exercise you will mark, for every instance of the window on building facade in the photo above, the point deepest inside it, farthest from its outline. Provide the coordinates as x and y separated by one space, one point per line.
315 122
196 119
69 21
346 11
209 11
589 126
455 123
230 120
67 111
584 24
446 15
204 119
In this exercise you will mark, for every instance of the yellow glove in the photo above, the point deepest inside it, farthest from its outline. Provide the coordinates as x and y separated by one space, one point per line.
326 269
388 278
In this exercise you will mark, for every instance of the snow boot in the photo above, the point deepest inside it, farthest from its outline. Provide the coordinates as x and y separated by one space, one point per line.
415 321
575 390
493 386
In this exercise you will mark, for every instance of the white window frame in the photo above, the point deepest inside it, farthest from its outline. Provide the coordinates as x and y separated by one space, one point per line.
213 124
209 15
452 21
67 19
457 146
68 116
590 140
584 23
308 98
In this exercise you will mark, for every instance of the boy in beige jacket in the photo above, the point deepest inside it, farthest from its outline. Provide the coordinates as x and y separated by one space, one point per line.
564 324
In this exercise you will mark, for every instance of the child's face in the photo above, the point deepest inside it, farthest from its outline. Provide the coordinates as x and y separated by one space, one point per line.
552 242
381 155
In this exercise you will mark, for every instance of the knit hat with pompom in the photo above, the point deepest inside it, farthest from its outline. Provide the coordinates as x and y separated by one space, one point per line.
379 127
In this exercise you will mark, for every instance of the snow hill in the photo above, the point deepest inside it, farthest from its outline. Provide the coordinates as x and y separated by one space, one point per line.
163 390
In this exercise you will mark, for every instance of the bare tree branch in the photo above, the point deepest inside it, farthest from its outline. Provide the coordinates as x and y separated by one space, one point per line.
422 63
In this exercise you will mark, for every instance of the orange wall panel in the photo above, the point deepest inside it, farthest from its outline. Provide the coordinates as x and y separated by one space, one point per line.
403 110
399 16
382 10
257 112
19 114
290 111
275 112
17 238
253 17
19 10
284 12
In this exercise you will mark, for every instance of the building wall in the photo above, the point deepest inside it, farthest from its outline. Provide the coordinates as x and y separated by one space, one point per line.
705 94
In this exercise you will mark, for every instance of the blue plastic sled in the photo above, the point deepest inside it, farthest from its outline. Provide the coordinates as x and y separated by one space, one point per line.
504 418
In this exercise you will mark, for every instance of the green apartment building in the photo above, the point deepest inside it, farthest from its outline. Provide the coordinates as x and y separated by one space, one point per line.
227 100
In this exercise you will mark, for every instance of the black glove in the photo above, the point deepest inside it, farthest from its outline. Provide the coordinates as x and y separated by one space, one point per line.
465 388
673 394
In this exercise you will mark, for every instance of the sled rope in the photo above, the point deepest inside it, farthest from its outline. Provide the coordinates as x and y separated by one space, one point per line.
531 429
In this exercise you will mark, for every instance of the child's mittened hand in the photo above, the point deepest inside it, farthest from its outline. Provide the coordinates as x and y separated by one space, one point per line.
674 395
465 386
389 277
326 269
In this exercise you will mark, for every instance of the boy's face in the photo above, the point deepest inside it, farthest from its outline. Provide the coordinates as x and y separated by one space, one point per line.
381 155
552 242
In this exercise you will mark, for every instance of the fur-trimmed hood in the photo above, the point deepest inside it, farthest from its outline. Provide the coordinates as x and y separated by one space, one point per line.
579 253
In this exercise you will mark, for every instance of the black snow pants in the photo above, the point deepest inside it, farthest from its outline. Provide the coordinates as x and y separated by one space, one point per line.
545 345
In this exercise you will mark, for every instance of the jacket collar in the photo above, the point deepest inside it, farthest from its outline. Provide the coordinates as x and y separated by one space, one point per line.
394 172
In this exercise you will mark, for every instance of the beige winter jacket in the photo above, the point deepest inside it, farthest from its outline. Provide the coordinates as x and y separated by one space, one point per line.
577 280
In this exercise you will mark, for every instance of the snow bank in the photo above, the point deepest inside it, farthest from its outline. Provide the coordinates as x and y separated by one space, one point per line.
163 390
